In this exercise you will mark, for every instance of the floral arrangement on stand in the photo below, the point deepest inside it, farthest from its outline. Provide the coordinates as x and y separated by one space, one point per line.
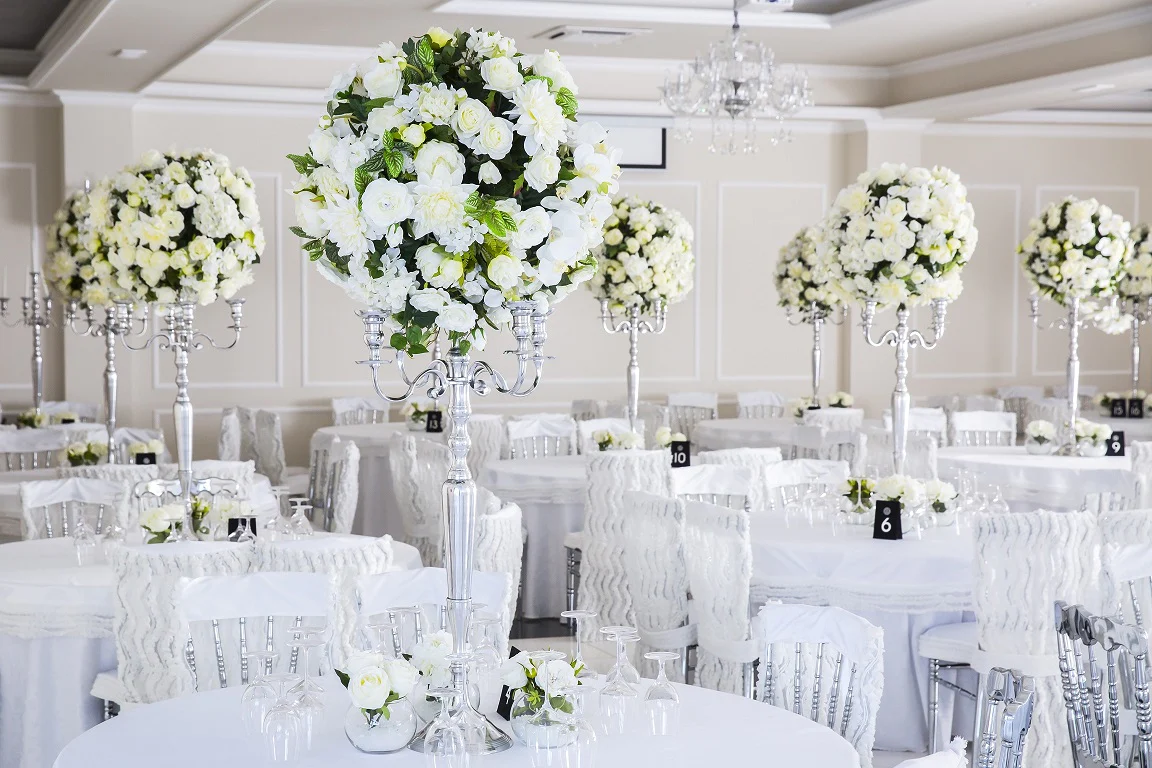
152 446
899 236
1040 437
1136 282
85 454
175 226
803 279
841 400
646 257
665 437
1092 437
607 440
73 240
449 176
30 419
415 412
380 718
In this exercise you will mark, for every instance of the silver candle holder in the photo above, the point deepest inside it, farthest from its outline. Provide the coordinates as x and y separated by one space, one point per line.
109 330
459 376
1140 310
634 324
817 315
36 313
181 337
903 339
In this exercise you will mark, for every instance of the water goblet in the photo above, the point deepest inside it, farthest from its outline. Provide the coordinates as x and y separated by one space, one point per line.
283 731
576 617
307 693
545 731
486 654
660 700
298 524
997 505
85 540
618 696
445 745
382 635
261 694
580 751
245 534
623 666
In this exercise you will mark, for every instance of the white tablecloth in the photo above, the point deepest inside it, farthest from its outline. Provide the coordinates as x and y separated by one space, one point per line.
55 637
715 729
905 587
550 492
1041 480
1133 429
721 434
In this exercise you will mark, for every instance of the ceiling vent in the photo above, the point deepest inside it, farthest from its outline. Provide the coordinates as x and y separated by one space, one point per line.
570 33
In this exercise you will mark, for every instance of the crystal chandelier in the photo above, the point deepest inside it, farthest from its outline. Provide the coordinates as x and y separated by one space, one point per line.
734 83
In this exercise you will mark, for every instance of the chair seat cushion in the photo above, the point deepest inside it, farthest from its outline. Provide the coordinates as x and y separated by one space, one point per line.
950 642
574 540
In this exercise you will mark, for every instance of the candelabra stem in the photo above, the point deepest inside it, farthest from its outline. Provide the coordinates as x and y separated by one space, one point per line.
182 412
633 366
110 384
37 366
1073 374
901 400
1135 350
817 354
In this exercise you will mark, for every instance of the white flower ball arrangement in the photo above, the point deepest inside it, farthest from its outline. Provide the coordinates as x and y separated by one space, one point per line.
646 256
1136 280
179 226
449 176
801 278
899 236
72 244
1076 249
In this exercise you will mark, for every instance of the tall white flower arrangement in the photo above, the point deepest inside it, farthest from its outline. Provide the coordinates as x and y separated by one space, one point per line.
1076 249
176 226
73 240
899 236
1136 279
646 256
802 278
449 176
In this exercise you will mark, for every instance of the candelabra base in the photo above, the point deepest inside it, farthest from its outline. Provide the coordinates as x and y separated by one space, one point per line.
495 740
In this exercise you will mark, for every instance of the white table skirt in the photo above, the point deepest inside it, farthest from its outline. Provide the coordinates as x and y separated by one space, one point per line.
715 729
550 493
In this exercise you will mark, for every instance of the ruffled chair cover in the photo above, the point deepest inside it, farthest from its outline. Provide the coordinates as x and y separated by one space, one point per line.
920 460
657 575
838 419
824 634
345 560
359 410
500 549
228 445
1025 562
488 434
755 459
603 581
1142 467
587 409
51 507
243 473
119 473
1016 399
344 486
718 553
1050 410
268 441
760 405
1127 564
125 436
149 641
983 428
419 468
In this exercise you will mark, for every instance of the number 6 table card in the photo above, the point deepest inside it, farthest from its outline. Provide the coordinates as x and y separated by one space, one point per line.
887 523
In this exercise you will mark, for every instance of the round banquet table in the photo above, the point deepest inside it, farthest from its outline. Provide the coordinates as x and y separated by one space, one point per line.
715 729
1041 480
722 434
55 637
550 493
904 587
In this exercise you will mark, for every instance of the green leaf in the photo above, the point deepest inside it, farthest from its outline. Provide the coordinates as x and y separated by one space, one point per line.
475 204
500 223
374 164
424 56
343 678
414 335
304 163
299 232
315 249
394 162
398 341
417 349
567 102
363 179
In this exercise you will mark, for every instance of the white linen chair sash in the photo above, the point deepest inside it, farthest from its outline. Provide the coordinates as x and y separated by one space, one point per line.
254 594
675 639
694 399
32 440
790 623
803 471
759 398
1018 390
844 419
719 479
984 421
542 425
343 405
43 493
735 651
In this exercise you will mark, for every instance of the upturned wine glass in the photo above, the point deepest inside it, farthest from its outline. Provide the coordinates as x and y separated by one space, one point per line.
618 696
261 694
577 617
580 749
307 693
445 745
623 666
660 700
545 731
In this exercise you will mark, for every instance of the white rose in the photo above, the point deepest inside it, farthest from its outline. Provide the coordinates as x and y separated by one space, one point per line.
505 271
386 202
549 65
489 173
369 687
532 226
501 74
555 676
384 80
184 196
457 316
512 673
402 675
438 160
469 117
542 171
361 660
494 138
383 119
413 134
321 144
428 300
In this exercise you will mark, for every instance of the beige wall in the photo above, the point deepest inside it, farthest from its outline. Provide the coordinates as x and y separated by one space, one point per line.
302 340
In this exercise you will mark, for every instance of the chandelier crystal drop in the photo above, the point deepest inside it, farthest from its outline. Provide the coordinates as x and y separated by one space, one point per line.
736 82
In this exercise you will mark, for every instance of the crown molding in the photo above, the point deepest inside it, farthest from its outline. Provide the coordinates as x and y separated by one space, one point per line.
592 11
97 98
1040 130
1030 41
65 34
14 93
1070 117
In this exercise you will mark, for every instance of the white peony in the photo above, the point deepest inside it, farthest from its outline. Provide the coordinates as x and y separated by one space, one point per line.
494 138
386 202
488 173
513 673
402 676
554 676
438 161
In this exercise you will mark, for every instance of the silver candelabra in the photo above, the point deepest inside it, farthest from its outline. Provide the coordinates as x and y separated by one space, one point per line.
36 313
108 330
1140 310
816 314
1075 320
459 376
181 337
904 339
634 325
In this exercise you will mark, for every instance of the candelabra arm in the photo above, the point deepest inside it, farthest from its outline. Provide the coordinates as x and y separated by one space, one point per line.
796 318
10 323
237 307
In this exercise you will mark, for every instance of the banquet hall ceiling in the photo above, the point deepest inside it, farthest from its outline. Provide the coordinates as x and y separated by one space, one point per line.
921 59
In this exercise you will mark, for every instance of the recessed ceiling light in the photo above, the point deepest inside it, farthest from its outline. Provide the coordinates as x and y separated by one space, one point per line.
1095 88
130 53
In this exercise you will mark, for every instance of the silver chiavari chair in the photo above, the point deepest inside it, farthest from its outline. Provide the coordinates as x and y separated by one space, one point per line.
761 405
683 418
1107 501
983 428
53 508
540 436
1104 674
23 449
722 485
358 410
1007 718
154 493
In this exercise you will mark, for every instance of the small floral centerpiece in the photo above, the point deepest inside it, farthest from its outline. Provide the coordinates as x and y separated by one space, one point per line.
940 496
448 176
665 437
907 490
1148 406
801 405
1103 400
415 413
1092 438
531 680
1040 437
157 522
858 491
841 400
152 446
899 236
430 658
31 419
380 718
802 280
85 454
607 440
646 257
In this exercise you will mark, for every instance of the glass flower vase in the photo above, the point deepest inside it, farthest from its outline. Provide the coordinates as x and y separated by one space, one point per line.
376 734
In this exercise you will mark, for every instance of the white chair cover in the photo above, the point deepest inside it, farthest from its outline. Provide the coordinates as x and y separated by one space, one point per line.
718 553
982 403
760 405
862 646
345 560
588 427
986 423
269 446
557 431
488 435
798 472
657 574
38 494
651 415
83 411
243 473
358 410
128 474
1142 468
603 581
247 433
33 440
343 491
933 420
125 436
694 399
1127 565
815 442
228 446
920 461
419 468
752 458
712 479
1049 409
500 549
253 594
953 757
842 419
587 409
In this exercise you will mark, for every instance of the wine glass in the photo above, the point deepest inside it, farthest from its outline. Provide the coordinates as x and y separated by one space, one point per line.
244 534
485 651
661 701
382 635
307 693
261 694
580 751
404 639
444 743
84 538
283 731
617 696
579 616
623 666
997 504
298 524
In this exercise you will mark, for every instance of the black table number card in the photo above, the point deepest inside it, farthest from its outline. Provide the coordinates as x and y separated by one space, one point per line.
67 421
1135 408
1119 409
504 707
434 421
887 523
234 527
681 453
144 458
1115 444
